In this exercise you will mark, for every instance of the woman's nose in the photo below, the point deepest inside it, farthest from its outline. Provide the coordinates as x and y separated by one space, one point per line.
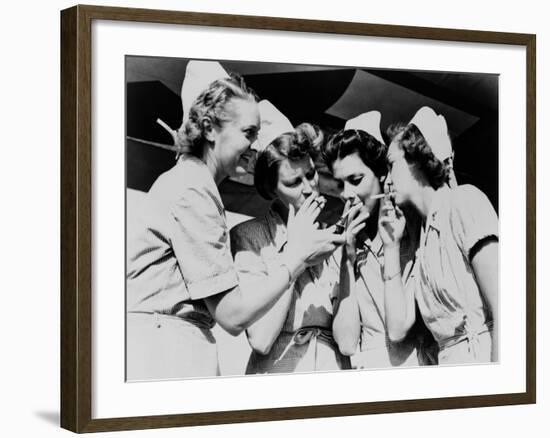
307 187
347 192
388 183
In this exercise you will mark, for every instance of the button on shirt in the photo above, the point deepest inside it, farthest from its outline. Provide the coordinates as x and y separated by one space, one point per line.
258 245
375 346
180 251
447 293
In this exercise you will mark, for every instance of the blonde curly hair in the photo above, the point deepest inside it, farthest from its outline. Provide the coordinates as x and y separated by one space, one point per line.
210 104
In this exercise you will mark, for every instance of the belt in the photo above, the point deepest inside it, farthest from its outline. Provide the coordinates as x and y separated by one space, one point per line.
306 334
469 334
193 318
311 335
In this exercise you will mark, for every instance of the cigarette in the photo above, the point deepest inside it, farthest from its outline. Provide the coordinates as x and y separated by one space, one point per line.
380 196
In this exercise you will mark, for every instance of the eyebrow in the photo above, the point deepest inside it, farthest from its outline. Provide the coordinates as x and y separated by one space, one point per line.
297 176
346 178
290 180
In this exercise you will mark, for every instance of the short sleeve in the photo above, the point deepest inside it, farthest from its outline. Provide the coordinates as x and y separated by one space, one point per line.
200 240
473 217
246 247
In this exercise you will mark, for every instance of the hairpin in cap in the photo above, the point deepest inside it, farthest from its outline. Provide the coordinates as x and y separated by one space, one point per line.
434 129
368 122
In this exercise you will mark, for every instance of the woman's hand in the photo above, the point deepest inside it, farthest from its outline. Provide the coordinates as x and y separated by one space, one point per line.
391 224
307 245
356 221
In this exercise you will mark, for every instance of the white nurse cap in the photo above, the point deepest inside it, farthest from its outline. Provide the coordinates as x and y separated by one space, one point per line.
434 129
273 124
198 76
368 122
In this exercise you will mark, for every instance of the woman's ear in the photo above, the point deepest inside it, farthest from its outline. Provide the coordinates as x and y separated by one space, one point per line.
207 129
419 174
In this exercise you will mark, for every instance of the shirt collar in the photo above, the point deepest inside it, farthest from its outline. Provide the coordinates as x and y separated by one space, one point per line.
376 245
439 202
194 166
370 248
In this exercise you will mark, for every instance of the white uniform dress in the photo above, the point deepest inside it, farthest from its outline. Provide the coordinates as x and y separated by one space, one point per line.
305 342
447 292
178 255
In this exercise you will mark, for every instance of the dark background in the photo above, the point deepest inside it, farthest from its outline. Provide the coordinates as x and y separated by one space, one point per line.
326 96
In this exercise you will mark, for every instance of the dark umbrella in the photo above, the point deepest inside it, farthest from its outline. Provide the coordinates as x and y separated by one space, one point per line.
326 96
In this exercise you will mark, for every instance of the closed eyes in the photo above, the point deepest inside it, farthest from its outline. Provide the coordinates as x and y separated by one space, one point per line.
356 180
294 183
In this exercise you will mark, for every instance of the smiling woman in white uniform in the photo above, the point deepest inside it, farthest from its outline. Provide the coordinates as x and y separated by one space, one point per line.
181 279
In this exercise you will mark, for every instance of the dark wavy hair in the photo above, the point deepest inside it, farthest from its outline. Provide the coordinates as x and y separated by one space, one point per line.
304 141
211 104
346 142
419 153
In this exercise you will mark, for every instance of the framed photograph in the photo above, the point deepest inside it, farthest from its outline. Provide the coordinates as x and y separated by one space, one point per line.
268 219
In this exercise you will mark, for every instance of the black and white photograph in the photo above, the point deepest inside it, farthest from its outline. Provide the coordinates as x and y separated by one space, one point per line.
275 219
287 218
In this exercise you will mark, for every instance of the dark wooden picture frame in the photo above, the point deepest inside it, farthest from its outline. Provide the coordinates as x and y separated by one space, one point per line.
76 218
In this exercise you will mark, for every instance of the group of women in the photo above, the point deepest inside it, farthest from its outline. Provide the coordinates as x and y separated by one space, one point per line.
409 278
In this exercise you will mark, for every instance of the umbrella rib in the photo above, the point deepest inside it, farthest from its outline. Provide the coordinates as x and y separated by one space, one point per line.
153 143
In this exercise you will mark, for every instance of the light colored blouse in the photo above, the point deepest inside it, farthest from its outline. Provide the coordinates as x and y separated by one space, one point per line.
447 292
180 253
376 350
305 342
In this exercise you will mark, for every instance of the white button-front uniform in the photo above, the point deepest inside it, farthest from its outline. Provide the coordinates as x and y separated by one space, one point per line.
305 341
447 292
376 350
178 256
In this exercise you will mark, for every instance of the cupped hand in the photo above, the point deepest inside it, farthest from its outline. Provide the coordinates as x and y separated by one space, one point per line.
306 243
356 221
